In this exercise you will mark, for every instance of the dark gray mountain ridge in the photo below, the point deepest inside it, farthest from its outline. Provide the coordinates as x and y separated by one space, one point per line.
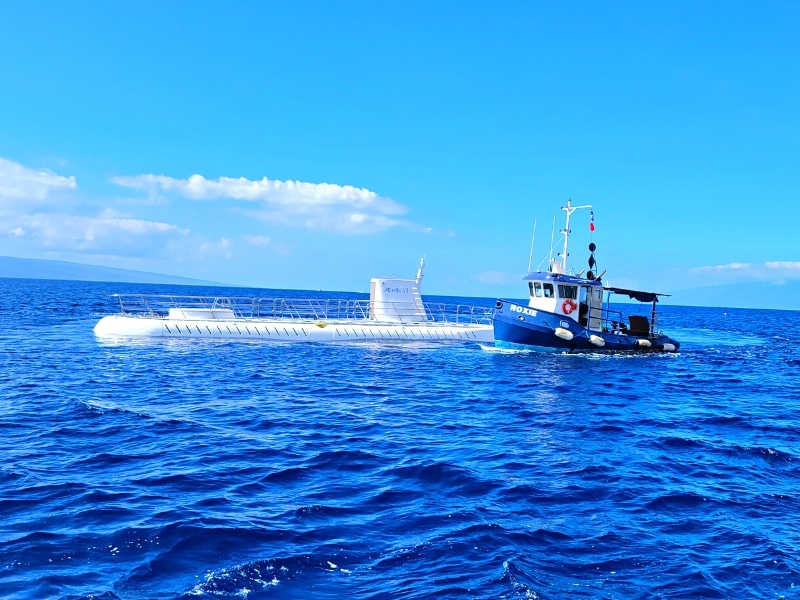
34 268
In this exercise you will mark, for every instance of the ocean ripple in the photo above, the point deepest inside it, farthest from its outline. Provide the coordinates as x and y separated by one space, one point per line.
185 468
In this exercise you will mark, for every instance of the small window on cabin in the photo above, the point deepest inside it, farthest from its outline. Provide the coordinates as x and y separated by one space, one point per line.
530 287
538 289
568 291
598 294
548 290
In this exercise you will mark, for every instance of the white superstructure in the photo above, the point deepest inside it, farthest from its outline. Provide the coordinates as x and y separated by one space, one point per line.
397 300
395 311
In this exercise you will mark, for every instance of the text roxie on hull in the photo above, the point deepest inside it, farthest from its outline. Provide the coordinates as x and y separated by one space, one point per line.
571 312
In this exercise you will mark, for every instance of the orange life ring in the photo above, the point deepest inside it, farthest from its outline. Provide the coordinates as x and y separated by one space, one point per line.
568 306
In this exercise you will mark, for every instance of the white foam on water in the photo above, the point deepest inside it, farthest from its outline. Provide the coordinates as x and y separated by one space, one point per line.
565 355
495 349
709 338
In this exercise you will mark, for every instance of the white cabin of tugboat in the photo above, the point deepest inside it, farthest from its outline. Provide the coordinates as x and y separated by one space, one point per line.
575 298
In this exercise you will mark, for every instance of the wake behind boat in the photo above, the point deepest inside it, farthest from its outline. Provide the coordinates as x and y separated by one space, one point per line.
394 312
566 313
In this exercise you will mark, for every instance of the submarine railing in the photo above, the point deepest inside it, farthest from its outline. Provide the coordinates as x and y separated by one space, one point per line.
313 309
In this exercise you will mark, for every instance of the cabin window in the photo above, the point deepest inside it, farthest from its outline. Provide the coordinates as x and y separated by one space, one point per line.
598 294
538 289
568 291
530 287
548 290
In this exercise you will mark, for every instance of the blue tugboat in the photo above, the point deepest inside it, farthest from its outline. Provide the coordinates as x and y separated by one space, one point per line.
566 312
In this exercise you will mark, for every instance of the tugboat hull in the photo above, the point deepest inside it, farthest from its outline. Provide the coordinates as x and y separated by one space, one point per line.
519 327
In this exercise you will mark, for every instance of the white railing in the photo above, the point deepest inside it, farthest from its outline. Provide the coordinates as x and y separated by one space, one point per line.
311 309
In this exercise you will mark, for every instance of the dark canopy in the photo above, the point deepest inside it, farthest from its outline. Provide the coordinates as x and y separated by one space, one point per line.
637 295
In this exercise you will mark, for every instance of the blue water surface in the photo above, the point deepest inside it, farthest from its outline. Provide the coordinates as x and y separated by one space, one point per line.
230 469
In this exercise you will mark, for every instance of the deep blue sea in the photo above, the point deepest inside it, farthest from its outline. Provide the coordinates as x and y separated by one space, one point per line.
184 468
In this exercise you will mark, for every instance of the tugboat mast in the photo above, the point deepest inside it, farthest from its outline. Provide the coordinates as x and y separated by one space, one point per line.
570 209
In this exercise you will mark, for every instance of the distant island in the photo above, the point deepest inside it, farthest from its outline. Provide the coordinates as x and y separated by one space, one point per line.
33 268
785 295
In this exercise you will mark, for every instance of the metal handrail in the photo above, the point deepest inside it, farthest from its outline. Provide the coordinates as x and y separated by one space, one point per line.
614 321
311 309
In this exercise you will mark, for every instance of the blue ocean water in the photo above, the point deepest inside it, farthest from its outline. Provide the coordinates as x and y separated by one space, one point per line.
183 468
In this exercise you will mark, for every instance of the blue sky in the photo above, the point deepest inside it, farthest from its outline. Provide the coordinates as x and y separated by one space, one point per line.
315 145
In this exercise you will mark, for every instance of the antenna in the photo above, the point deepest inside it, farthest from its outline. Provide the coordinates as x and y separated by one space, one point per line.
552 237
530 256
570 209
420 270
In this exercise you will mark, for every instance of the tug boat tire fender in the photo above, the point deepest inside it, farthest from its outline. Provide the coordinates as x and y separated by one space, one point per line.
597 340
564 334
643 343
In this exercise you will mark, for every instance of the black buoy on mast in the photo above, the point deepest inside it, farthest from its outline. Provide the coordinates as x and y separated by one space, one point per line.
592 261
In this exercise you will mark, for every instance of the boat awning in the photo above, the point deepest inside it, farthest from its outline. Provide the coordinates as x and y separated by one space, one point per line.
636 294
560 277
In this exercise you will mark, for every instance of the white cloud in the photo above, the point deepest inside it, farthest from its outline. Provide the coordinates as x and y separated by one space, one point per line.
32 185
785 265
329 219
721 268
26 218
106 234
341 208
221 244
259 241
222 247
